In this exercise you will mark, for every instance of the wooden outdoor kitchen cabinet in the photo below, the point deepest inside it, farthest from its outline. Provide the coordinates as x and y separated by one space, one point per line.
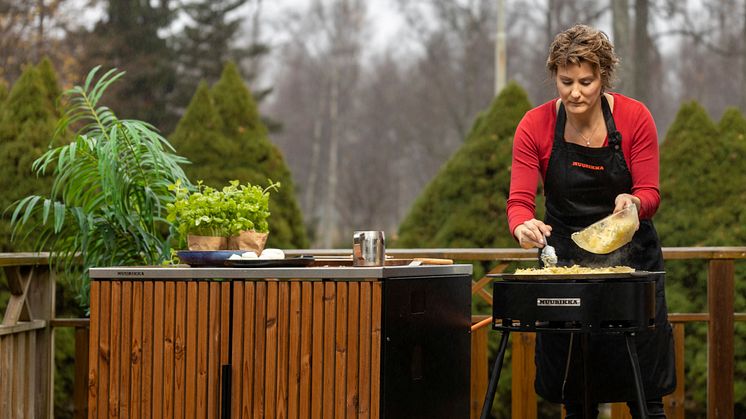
327 342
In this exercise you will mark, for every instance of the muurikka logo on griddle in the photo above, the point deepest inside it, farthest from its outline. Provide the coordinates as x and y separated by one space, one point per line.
558 302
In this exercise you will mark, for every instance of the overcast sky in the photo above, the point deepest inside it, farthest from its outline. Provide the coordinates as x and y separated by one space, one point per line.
384 20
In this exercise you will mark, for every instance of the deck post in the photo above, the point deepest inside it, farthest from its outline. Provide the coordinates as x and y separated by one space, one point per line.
41 300
720 351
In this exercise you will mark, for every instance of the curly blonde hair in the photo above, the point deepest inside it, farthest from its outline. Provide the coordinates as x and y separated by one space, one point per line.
582 43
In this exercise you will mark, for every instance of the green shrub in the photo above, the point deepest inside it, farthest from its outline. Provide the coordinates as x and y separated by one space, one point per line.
27 124
703 203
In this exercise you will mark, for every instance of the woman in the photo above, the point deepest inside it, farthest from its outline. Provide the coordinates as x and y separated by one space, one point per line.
597 153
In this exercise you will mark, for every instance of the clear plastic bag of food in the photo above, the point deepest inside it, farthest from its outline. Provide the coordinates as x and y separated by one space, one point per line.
610 233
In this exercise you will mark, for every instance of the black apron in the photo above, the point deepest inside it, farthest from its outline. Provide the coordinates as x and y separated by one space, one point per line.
580 186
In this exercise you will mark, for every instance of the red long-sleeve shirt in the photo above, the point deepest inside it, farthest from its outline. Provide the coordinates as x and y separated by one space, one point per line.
532 146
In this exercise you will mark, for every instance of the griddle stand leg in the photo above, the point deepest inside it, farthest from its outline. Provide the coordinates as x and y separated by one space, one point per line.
495 376
632 351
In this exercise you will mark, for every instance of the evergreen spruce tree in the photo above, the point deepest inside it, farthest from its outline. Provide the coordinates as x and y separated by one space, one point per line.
199 137
689 178
208 41
464 205
50 82
130 37
3 94
730 218
243 152
27 124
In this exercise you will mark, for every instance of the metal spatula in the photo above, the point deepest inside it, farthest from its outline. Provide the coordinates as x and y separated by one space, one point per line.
548 254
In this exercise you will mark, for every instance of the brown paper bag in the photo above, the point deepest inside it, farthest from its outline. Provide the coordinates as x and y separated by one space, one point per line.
248 240
207 242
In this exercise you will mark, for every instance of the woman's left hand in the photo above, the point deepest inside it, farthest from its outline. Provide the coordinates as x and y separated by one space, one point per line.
624 200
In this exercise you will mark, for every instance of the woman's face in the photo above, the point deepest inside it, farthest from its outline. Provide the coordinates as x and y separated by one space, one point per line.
579 87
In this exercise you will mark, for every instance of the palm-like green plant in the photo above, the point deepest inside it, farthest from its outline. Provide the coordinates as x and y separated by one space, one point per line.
107 205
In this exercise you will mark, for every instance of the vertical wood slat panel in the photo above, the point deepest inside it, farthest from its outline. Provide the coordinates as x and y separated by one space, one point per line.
213 353
306 349
329 350
5 378
340 351
11 402
247 366
148 303
674 403
317 354
31 378
225 322
259 347
41 297
294 349
270 354
620 411
20 364
179 345
203 342
279 359
193 333
375 352
353 316
93 344
136 351
145 349
114 348
80 391
522 385
104 361
169 315
11 355
283 366
366 297
159 324
479 371
237 350
291 322
125 327
225 310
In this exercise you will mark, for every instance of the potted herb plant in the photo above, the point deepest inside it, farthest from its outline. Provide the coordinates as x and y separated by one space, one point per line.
233 218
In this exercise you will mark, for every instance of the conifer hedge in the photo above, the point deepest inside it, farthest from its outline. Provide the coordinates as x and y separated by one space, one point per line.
703 203
3 95
224 137
464 205
27 122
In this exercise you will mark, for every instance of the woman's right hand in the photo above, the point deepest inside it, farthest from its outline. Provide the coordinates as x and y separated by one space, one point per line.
531 233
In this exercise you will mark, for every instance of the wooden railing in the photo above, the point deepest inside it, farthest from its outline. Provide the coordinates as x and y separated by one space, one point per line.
26 338
27 343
